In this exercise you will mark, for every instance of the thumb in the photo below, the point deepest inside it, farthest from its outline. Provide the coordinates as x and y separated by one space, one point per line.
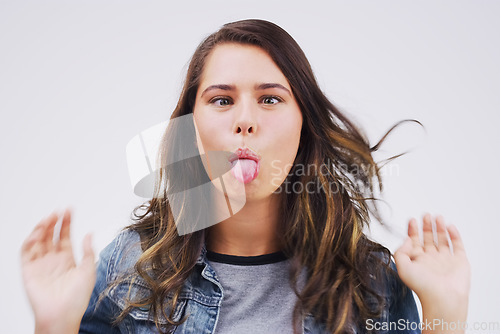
88 259
402 254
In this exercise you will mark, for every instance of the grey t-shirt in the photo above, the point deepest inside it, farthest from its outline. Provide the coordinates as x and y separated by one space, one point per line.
258 297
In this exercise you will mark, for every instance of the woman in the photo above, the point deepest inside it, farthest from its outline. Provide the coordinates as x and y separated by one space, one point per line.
275 242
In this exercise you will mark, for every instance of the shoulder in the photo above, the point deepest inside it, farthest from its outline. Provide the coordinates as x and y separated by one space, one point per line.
400 308
383 270
119 278
402 312
118 257
121 254
123 282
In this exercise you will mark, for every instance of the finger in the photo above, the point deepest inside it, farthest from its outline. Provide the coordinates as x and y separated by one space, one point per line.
38 247
47 243
402 256
413 232
88 259
406 247
65 238
33 236
429 244
456 240
442 235
27 251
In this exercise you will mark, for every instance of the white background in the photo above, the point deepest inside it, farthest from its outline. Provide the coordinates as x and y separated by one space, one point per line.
79 79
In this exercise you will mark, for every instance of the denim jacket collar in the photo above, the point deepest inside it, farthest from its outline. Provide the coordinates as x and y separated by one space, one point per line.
202 258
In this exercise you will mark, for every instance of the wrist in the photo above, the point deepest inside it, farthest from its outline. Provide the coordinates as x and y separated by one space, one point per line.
450 309
444 316
55 327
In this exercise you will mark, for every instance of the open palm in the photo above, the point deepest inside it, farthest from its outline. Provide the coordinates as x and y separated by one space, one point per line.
437 270
58 290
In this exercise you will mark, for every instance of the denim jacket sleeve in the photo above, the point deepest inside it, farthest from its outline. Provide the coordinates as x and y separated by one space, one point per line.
400 314
403 313
99 316
115 261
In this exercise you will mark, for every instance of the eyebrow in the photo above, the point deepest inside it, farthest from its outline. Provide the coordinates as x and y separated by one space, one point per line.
257 87
272 85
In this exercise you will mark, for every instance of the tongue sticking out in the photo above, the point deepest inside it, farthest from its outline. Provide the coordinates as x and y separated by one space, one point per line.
246 170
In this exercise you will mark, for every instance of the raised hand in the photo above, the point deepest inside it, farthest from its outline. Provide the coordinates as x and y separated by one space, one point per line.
58 290
437 271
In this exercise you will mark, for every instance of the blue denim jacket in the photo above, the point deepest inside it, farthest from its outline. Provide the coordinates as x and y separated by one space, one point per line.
202 297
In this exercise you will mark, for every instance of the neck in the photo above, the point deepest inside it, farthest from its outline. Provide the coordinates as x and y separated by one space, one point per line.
250 232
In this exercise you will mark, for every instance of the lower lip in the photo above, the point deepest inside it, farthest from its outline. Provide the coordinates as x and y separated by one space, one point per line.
247 171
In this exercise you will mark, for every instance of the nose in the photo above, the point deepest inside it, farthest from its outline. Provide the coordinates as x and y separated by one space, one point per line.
245 123
245 128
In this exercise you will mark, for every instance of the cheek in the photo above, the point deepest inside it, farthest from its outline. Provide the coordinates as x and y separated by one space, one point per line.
286 135
208 140
206 130
285 139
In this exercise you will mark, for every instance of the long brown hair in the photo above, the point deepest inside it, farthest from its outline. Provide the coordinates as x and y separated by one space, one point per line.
322 230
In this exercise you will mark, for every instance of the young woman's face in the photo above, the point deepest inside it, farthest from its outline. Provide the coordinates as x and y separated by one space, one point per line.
245 101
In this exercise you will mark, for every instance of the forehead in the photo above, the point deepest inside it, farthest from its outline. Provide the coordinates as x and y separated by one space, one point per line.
234 63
